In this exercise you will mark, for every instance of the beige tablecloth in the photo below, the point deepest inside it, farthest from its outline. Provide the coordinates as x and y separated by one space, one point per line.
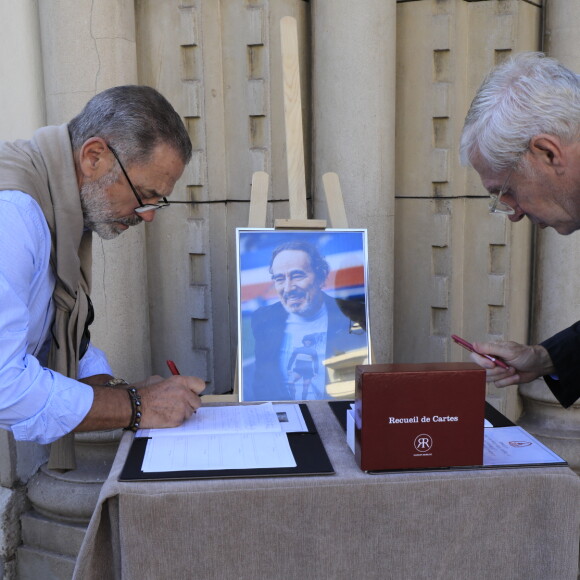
481 524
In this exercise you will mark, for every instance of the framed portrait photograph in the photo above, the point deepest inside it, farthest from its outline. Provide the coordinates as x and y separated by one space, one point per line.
303 318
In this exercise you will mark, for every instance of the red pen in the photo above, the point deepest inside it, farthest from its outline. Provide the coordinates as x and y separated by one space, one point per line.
172 367
468 346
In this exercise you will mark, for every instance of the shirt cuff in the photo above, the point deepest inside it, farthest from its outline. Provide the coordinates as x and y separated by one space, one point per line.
64 410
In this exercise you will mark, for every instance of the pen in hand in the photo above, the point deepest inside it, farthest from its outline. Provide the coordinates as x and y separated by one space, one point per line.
174 371
172 367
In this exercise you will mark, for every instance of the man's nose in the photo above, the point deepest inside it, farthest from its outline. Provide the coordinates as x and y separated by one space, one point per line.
516 217
147 216
288 284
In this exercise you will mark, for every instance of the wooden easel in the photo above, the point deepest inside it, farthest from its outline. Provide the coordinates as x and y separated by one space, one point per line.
295 163
294 153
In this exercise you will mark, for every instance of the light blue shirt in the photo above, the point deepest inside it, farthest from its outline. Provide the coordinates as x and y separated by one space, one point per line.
36 403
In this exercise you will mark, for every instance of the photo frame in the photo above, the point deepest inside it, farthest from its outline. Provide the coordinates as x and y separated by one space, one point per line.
303 317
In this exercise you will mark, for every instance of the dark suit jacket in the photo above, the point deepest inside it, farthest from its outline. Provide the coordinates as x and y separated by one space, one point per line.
564 350
268 326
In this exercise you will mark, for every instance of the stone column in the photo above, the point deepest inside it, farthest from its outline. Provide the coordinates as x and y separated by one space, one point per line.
353 87
87 47
22 106
557 283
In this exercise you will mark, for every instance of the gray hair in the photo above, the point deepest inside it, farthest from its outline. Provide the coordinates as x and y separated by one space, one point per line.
134 120
319 265
527 95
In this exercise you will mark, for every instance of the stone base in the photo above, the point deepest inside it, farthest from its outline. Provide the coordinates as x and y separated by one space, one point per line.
35 564
50 548
62 505
8 570
546 419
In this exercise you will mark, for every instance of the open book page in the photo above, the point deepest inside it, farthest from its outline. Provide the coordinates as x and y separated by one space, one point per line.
216 452
222 419
225 437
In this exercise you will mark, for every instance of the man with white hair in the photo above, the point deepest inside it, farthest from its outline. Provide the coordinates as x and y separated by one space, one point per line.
522 135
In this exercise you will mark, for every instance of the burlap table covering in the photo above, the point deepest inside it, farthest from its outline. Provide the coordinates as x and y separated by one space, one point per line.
482 524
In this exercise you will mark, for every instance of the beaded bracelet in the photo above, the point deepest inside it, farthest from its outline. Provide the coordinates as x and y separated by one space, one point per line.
135 398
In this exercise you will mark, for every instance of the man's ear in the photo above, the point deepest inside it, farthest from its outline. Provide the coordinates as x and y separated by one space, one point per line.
548 150
94 160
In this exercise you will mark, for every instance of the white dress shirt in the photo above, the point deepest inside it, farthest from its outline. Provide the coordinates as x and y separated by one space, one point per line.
36 403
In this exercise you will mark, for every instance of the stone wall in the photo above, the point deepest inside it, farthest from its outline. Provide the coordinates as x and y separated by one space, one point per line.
385 88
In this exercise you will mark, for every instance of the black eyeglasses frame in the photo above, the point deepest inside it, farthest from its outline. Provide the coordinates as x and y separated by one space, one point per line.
143 207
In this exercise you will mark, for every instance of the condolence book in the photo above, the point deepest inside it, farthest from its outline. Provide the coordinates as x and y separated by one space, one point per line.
230 441
416 416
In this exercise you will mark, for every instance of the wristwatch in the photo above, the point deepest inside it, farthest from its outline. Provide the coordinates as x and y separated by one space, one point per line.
116 382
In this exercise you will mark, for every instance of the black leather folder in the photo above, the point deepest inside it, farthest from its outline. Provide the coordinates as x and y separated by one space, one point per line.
309 453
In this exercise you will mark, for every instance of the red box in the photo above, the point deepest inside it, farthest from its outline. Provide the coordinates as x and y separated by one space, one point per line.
414 416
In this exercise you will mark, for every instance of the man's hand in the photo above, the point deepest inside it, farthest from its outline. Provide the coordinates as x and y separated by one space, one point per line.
526 362
165 403
170 402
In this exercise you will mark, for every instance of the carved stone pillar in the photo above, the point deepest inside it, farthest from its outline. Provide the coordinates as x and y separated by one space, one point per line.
22 106
556 304
86 48
353 87
62 505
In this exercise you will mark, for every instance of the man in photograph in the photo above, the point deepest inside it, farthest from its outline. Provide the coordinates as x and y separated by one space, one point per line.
305 323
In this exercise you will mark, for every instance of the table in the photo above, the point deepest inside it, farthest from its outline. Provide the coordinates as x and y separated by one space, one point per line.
491 523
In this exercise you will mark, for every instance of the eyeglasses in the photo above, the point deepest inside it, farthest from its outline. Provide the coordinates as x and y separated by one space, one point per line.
496 205
143 207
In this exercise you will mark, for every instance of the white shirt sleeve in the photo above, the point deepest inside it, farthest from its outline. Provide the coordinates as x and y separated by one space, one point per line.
94 363
37 404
